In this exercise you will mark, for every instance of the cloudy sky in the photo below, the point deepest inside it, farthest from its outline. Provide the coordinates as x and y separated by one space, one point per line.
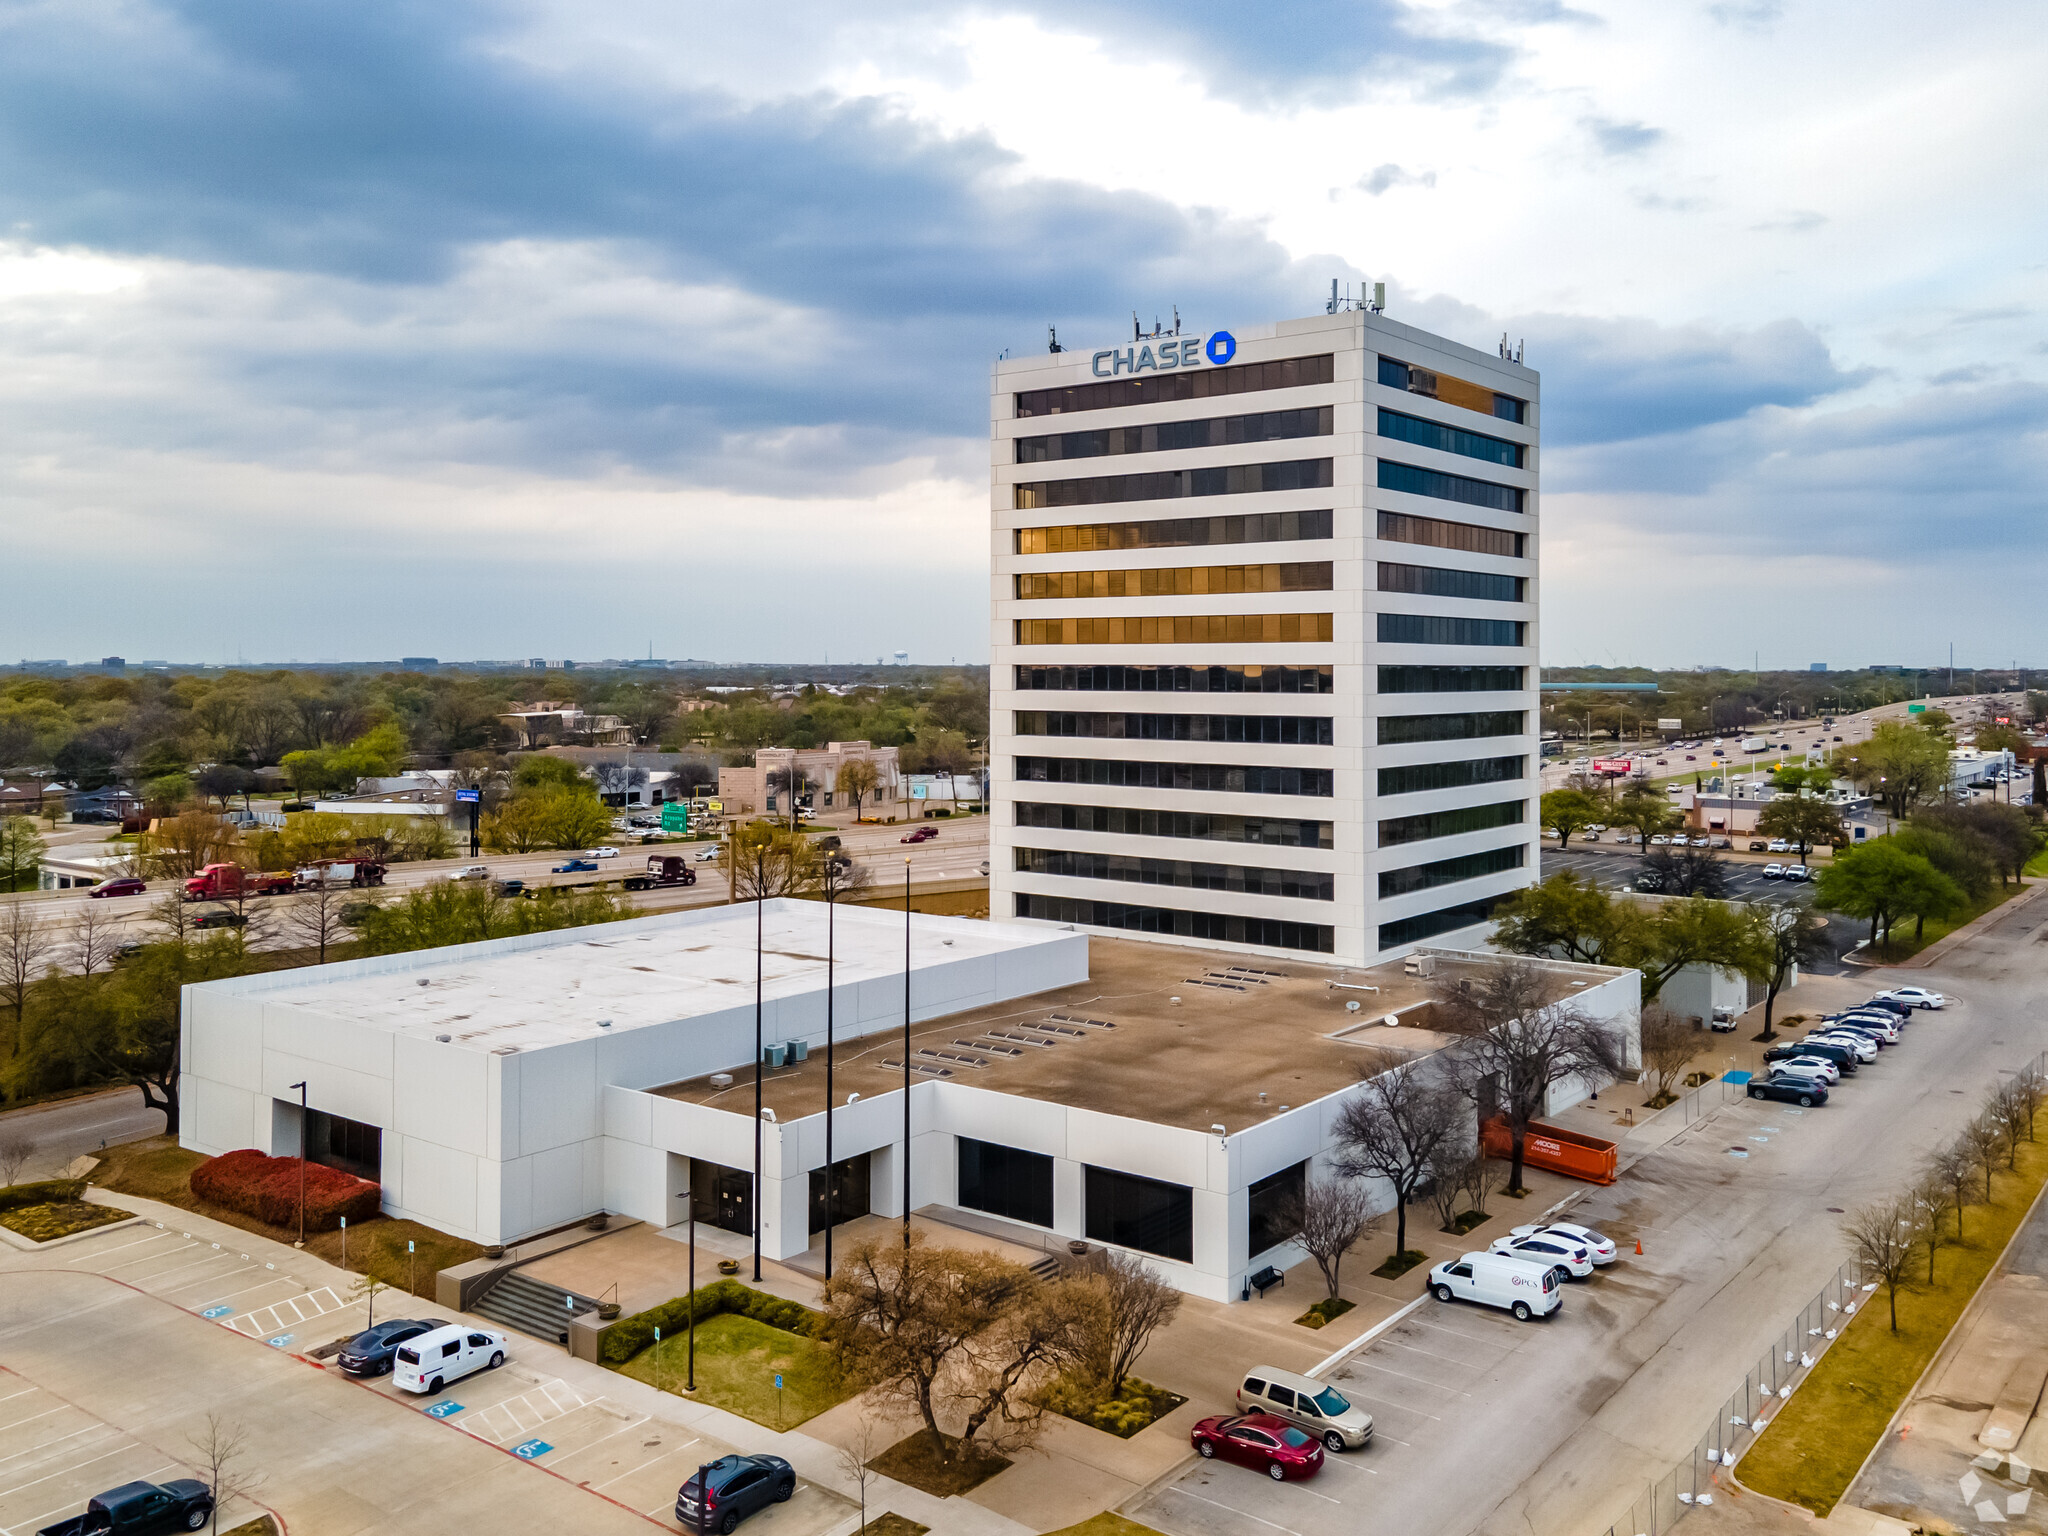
481 329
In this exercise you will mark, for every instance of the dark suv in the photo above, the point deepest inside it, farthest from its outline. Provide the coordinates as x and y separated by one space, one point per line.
739 1485
369 1353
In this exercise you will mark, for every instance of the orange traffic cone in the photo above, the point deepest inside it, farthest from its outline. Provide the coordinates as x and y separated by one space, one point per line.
1639 1247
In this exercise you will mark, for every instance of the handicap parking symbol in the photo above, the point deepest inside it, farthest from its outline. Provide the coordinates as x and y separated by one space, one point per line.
220 1311
530 1449
443 1409
280 1341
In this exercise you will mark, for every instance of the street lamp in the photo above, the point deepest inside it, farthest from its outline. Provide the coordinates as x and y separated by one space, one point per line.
304 1138
906 1052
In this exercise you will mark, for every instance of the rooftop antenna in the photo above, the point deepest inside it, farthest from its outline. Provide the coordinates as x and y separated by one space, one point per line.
1379 298
1136 333
1331 307
1053 339
1176 319
1503 343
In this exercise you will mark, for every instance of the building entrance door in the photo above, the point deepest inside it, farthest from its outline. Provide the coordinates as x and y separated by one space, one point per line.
722 1197
849 1192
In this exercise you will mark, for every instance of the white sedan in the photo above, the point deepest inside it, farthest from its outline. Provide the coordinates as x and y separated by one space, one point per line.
1574 1258
1599 1246
602 853
1813 1066
1916 997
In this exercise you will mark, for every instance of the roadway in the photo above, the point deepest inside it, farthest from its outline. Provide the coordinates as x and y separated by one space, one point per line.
957 853
1558 1426
72 1127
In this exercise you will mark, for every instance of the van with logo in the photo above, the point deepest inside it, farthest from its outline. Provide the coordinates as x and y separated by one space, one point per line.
429 1362
1312 1405
1494 1280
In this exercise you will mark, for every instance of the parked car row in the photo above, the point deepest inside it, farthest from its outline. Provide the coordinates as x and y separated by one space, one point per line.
1526 1271
1803 1071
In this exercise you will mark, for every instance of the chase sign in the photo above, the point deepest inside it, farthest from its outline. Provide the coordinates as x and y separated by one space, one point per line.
1219 347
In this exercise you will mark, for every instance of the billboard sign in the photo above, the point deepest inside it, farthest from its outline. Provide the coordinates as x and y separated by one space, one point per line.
1670 725
468 796
1614 766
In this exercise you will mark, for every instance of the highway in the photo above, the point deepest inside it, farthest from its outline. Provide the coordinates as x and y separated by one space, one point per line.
957 853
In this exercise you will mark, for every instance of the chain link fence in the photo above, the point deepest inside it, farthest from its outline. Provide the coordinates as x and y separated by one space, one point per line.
1769 1382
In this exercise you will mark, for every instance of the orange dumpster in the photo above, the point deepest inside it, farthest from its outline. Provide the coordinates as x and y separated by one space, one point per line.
1555 1148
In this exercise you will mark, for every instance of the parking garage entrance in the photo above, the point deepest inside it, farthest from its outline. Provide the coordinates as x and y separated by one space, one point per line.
349 1145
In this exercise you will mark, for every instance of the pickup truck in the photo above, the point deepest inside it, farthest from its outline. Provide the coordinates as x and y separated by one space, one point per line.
134 1509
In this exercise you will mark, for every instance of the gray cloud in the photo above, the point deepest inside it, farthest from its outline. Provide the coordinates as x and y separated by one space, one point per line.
1799 221
1621 139
1388 176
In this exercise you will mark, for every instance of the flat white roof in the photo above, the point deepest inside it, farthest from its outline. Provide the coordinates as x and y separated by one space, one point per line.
549 989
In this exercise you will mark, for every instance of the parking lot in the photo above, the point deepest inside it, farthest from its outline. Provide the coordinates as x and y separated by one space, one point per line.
115 1348
1487 1424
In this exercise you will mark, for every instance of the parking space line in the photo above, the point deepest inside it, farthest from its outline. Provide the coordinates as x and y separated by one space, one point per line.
664 1456
146 1281
32 1417
1417 1350
1361 1360
1388 1402
101 1253
600 1440
37 1520
209 1281
24 1392
145 1259
259 1285
1232 1508
67 1471
44 1445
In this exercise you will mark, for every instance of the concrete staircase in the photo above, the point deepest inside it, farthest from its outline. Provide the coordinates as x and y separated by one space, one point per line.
533 1306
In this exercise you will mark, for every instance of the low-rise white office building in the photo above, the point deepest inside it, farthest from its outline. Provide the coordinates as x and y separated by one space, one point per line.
1161 1101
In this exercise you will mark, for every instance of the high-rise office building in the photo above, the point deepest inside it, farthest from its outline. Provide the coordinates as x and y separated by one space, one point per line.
1264 666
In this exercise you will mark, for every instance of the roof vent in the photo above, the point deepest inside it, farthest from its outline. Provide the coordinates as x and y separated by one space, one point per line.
604 1023
721 1079
421 982
444 1039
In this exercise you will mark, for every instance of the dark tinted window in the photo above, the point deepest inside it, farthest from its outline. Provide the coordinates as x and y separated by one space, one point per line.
1176 581
1196 384
1430 434
1204 825
1472 538
1436 629
1396 730
1478 770
1176 533
1423 877
1271 730
1428 924
1273 1207
1166 436
1451 679
1140 1213
1219 777
1306 885
1253 1384
1394 476
1223 928
1281 1395
1006 1181
1115 679
1442 581
453 1346
1168 484
1466 818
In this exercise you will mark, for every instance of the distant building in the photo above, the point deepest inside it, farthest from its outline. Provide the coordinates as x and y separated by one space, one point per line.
114 663
27 797
746 791
547 724
418 663
1818 666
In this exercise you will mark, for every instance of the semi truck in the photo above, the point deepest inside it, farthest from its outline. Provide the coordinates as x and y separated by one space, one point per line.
663 869
333 872
227 882
1755 744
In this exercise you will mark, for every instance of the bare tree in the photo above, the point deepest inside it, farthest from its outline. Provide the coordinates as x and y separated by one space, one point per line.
1483 1175
172 916
1329 1219
2012 1104
16 1148
1933 1195
369 1288
617 780
857 1461
314 919
1136 1303
1446 1189
1783 935
94 938
1882 1236
25 943
221 1446
2030 1089
1393 1127
1520 1036
1670 1045
1956 1167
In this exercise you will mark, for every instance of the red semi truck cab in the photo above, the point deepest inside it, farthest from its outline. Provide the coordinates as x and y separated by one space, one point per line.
224 882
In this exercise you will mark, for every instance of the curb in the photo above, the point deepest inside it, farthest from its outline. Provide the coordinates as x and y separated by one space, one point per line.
30 1245
1369 1335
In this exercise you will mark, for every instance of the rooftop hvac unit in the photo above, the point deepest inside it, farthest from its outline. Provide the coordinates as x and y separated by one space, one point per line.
799 1050
775 1055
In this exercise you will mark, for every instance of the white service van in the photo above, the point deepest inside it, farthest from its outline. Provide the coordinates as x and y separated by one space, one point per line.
1524 1288
429 1362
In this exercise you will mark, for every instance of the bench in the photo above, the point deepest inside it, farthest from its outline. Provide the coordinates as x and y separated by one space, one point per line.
1266 1279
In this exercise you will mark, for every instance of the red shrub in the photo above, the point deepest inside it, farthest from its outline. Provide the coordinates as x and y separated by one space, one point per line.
268 1189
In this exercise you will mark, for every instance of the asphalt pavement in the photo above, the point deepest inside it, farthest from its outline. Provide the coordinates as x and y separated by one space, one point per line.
73 1127
1559 1426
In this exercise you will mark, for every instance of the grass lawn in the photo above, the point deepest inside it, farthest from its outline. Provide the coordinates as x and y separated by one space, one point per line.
159 1169
1810 1452
737 1362
1398 1264
1903 945
2037 866
59 1218
1328 1310
1108 1523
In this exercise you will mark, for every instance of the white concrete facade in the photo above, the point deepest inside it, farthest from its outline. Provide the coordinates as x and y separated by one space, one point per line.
1058 872
494 1082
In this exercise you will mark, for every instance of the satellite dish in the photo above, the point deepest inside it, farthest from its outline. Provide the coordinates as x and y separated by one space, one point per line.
1351 1005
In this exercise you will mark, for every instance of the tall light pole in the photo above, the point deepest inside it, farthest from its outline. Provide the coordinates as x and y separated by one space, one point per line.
760 901
831 1189
304 1139
906 1052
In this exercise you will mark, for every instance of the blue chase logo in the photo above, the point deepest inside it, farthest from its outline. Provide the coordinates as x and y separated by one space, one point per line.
1222 347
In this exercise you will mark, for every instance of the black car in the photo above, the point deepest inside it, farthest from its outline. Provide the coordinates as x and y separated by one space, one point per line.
1790 1090
1842 1057
369 1353
141 1509
1891 1005
739 1485
220 917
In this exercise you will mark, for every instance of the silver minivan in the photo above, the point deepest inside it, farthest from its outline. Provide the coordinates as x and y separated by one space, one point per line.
1313 1405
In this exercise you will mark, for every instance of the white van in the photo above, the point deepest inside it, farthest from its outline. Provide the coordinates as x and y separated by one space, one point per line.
1494 1280
429 1362
1315 1406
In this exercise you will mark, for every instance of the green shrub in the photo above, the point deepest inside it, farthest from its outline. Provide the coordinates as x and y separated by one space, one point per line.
14 1196
629 1335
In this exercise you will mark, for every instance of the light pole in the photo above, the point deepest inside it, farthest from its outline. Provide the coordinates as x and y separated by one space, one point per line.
906 1053
304 1139
754 1200
831 1188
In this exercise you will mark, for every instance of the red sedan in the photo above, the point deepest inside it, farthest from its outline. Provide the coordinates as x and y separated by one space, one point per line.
1259 1440
921 835
125 885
